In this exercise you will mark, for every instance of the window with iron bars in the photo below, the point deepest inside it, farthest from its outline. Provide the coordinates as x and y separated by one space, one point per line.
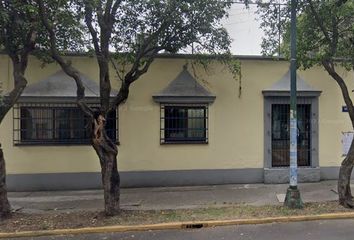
184 124
55 124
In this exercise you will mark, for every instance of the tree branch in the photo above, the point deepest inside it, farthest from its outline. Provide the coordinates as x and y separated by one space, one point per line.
13 96
88 21
319 21
339 3
116 69
131 77
67 68
101 45
28 47
329 66
107 11
144 51
115 8
19 62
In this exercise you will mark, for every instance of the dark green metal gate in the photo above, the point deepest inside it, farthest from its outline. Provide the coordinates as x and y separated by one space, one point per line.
281 135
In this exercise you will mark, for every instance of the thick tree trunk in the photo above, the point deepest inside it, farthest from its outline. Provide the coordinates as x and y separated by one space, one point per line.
107 152
110 181
5 209
345 172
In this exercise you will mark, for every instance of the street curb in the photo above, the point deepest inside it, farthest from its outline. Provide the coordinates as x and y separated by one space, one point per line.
177 225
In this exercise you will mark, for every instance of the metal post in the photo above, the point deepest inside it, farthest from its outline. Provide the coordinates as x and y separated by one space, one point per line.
293 198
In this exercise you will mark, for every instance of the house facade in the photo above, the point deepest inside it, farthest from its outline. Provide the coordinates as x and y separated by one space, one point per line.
181 125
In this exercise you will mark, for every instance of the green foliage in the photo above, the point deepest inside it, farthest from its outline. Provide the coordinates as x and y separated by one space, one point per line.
16 19
171 25
275 18
139 29
19 18
142 29
68 26
325 31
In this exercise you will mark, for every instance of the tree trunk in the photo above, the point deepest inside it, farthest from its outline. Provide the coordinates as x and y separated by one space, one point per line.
5 209
344 191
107 152
110 181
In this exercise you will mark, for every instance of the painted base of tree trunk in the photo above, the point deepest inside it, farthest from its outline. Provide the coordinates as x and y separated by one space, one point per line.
5 208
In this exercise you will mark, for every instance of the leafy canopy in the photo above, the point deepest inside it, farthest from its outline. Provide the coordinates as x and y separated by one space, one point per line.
17 39
325 31
131 33
171 25
17 18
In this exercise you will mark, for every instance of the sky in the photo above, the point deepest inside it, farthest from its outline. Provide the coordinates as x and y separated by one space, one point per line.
244 29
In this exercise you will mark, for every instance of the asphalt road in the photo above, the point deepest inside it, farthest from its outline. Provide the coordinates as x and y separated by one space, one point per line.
314 230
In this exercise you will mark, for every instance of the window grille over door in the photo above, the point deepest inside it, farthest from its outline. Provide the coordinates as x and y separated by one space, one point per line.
280 128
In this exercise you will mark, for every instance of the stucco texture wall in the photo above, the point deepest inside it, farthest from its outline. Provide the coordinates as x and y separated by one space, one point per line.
332 121
236 122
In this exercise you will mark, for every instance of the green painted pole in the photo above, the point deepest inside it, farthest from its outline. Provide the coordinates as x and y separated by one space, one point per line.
293 198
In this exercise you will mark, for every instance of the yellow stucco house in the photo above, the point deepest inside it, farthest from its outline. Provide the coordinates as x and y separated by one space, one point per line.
179 126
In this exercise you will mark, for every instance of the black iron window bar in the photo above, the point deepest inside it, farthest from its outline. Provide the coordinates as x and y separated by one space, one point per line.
55 124
183 124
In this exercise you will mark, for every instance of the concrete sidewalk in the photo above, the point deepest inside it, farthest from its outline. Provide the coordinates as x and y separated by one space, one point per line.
170 197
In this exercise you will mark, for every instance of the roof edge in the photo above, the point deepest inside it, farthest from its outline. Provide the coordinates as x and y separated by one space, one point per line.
56 99
183 56
184 99
272 93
